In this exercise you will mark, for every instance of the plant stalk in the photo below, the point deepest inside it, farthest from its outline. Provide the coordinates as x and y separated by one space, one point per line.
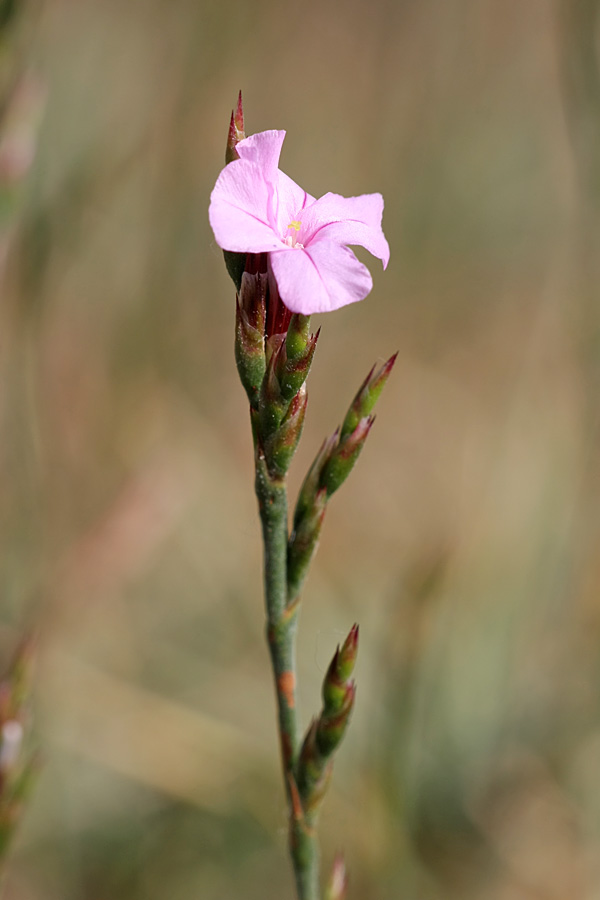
282 619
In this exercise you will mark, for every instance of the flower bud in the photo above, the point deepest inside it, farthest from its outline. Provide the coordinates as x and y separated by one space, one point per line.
281 446
331 728
304 542
367 396
338 883
298 336
347 655
314 771
293 371
11 741
272 406
249 334
326 732
343 457
339 672
311 483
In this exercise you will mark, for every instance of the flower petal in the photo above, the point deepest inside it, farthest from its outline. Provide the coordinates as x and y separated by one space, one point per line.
264 149
240 211
320 279
290 200
347 220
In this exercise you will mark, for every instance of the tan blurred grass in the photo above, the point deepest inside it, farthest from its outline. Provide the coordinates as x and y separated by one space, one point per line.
465 543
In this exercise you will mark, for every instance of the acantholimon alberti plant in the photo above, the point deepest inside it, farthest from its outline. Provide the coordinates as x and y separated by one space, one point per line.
288 255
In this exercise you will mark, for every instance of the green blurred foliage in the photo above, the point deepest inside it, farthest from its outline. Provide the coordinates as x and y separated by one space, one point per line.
466 541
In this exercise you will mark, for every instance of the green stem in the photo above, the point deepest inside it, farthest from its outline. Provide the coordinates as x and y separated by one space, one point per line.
281 636
305 856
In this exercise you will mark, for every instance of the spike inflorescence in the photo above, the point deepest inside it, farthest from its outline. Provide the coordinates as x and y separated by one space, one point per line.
332 465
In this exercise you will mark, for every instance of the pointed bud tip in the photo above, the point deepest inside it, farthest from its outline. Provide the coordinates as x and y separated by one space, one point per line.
236 131
351 643
375 380
389 365
231 153
367 382
346 658
239 113
339 878
320 496
360 433
329 445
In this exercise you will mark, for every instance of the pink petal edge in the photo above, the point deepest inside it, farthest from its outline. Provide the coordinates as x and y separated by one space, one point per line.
240 211
348 220
320 279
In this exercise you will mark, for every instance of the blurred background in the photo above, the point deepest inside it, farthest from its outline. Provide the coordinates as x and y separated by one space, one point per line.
466 543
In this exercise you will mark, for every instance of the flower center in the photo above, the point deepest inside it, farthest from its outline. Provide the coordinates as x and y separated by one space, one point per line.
291 238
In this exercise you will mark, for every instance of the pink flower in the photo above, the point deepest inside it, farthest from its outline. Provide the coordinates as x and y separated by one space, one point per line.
256 208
